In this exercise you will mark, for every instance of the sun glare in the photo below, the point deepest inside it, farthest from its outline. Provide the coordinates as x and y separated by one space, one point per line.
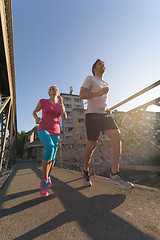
153 108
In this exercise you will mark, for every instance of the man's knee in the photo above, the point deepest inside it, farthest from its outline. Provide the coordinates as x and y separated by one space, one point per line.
92 144
118 135
114 135
117 138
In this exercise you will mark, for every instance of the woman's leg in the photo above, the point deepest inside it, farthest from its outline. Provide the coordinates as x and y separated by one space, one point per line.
50 168
48 144
55 140
46 168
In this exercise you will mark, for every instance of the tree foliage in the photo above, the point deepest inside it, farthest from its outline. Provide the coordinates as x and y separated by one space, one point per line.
20 143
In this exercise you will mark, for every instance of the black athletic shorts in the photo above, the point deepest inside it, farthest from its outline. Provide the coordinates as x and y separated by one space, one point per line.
96 123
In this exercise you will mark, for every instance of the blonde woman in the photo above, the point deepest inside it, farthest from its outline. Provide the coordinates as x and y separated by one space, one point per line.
49 132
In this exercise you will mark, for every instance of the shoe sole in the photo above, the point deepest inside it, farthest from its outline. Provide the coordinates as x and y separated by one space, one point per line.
84 181
126 188
88 184
45 195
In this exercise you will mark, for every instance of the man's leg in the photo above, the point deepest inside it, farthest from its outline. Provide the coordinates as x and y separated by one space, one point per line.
116 148
88 152
93 131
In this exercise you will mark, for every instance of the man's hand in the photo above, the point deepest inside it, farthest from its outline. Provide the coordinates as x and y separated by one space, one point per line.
103 91
109 111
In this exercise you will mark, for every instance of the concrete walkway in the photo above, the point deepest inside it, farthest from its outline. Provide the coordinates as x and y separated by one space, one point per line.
103 211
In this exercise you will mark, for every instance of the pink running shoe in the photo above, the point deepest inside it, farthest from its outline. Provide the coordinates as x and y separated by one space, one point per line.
49 182
44 188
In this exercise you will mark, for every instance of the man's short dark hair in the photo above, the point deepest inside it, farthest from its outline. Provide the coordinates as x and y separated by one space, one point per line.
94 65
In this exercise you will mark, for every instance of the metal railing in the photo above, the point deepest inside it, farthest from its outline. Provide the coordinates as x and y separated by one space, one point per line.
8 118
140 136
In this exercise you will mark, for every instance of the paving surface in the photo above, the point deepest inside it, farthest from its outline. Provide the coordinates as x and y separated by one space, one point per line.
101 212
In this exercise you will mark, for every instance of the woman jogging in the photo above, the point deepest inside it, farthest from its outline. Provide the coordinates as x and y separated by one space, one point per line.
49 132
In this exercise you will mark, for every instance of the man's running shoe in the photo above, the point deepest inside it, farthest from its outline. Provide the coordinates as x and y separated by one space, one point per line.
118 179
86 180
49 182
44 188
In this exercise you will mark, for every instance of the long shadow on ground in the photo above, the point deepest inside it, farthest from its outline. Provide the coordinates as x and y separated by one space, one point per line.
93 215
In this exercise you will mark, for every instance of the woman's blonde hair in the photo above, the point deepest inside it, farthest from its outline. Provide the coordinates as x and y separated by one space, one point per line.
55 86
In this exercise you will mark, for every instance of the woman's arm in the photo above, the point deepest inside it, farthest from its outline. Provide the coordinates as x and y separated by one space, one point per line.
63 111
36 111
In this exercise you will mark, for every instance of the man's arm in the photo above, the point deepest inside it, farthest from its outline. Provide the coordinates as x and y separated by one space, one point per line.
85 93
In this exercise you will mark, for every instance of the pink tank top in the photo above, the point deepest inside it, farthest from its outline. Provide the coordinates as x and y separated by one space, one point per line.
50 117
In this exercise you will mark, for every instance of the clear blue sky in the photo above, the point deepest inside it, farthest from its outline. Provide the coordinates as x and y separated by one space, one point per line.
56 42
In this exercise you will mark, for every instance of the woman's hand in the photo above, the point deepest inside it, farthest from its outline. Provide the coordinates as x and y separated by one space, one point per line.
38 120
60 100
63 111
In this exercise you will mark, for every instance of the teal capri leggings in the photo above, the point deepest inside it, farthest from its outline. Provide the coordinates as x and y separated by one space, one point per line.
50 143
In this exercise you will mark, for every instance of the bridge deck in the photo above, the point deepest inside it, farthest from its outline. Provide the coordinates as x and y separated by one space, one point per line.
103 211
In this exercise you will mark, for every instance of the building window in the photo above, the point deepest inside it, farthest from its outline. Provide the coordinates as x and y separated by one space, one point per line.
80 120
67 129
80 112
77 100
78 106
68 105
69 114
68 121
66 99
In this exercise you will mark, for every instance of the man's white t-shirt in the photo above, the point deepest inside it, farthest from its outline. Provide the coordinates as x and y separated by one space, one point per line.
96 104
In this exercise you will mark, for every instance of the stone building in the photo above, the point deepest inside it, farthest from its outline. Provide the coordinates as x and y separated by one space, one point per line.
75 114
33 148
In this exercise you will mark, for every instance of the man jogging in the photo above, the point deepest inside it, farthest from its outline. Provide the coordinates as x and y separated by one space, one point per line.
98 119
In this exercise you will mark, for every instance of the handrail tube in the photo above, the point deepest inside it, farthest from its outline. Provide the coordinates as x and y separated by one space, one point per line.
157 100
136 95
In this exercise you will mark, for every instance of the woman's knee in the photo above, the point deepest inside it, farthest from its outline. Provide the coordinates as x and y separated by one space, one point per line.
49 152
